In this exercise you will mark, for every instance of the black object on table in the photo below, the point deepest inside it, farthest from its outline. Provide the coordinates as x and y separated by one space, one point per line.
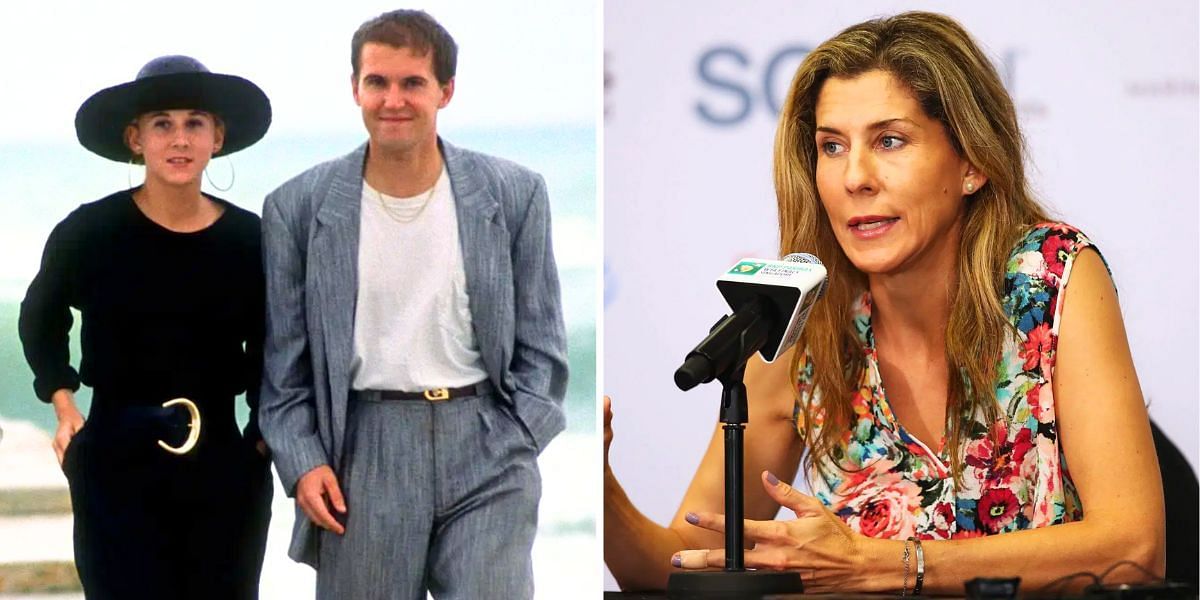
735 581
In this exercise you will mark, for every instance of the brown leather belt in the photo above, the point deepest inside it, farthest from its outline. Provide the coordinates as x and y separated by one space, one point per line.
438 394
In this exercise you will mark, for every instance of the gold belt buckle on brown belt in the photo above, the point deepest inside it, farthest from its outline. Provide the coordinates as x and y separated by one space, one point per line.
437 394
193 427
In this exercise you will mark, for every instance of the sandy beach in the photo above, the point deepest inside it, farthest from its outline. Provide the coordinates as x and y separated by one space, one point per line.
565 552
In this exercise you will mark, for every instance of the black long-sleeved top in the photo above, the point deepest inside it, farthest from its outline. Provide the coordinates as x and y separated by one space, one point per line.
165 314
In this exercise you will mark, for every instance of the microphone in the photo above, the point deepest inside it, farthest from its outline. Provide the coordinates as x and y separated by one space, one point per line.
771 301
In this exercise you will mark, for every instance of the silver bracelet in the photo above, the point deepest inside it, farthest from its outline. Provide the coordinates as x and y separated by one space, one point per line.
920 581
904 584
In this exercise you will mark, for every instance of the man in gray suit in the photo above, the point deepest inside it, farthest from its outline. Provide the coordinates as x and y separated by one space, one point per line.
415 353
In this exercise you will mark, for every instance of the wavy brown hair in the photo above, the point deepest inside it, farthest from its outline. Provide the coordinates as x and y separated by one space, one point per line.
954 83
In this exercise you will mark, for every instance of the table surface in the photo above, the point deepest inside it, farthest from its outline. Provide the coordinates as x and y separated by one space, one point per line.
661 595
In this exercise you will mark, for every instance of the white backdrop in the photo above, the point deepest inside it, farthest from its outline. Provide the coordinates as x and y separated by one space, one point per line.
1107 94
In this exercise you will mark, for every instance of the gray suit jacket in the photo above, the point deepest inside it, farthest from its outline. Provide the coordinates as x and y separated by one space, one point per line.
310 246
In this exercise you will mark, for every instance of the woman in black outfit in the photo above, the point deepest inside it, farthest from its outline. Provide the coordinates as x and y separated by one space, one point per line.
170 499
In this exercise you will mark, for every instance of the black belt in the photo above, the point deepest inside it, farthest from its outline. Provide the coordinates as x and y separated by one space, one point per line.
180 415
438 394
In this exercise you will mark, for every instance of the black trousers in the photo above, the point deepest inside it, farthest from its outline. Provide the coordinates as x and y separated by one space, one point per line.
149 524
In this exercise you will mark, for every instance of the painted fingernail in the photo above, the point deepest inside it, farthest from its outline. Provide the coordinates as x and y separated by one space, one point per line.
772 479
692 518
676 561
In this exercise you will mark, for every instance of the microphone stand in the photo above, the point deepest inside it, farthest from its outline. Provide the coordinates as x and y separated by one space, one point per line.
735 581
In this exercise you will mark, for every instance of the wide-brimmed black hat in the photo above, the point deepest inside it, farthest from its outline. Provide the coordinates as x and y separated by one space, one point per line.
173 82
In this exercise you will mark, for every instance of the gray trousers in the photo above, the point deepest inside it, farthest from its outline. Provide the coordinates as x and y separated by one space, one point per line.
440 497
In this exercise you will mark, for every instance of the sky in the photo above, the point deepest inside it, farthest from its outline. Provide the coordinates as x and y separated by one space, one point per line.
520 63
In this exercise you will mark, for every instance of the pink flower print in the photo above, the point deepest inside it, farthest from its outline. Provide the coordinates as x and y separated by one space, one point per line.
1055 250
1041 402
943 517
1012 454
979 451
1036 347
885 507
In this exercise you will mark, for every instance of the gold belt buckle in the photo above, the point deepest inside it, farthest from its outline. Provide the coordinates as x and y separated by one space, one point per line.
193 427
437 394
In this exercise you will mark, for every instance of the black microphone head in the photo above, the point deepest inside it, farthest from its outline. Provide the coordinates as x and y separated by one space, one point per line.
696 369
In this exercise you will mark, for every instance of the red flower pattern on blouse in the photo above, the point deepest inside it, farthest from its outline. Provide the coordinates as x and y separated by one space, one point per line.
997 508
882 507
1056 250
1037 346
890 485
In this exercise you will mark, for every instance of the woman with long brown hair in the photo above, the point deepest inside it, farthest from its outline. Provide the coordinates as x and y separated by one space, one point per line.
899 162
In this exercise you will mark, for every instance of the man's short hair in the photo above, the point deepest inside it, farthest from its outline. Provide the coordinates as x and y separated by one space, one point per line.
412 29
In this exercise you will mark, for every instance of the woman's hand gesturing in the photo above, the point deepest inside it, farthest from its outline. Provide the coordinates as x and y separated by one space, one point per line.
816 543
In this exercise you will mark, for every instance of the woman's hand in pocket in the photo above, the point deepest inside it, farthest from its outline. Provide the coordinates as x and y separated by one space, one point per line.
70 421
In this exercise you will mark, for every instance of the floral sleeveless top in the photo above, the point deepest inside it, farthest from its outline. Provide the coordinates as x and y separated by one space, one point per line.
897 487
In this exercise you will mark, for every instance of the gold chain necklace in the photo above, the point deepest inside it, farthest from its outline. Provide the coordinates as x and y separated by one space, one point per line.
397 216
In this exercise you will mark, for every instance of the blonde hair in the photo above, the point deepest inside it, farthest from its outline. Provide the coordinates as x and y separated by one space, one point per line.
955 84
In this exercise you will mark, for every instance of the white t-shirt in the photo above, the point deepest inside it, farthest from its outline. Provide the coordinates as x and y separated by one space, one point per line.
412 322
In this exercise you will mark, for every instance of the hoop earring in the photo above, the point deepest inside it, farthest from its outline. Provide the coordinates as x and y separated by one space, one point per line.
129 172
232 177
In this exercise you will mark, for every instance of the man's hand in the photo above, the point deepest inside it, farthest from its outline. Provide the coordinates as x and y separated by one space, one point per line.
70 421
311 492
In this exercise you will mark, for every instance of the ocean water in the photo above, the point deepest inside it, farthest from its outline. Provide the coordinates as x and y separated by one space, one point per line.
40 183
